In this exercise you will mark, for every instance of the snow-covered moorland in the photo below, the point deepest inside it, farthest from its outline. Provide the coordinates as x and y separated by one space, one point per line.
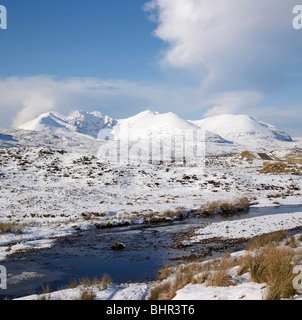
54 184
53 193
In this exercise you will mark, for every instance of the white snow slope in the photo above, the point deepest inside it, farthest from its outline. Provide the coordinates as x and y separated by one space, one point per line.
241 128
88 123
238 129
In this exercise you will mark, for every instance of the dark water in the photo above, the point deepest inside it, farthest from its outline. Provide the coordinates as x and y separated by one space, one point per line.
88 254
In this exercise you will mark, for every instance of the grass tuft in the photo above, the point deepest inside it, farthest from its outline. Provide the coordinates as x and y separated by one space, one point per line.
12 228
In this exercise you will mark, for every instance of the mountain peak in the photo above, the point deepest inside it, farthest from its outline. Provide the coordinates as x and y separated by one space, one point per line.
155 121
239 128
48 120
88 123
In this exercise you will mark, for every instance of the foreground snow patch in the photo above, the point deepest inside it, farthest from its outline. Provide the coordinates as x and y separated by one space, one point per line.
130 291
248 228
245 291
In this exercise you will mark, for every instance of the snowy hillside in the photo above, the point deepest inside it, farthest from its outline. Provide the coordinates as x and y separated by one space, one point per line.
241 128
69 141
88 123
148 121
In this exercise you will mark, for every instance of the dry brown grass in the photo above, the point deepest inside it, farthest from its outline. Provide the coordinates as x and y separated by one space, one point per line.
105 281
46 289
160 291
226 262
225 207
220 278
268 262
244 264
12 228
272 263
291 242
294 158
165 272
266 239
180 281
102 283
219 206
256 266
201 277
280 167
178 213
246 155
274 266
87 295
166 290
195 273
279 264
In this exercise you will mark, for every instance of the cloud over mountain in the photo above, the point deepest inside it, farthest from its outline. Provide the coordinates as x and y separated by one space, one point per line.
230 43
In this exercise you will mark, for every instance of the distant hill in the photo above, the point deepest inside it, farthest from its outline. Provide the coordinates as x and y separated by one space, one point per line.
224 133
242 128
88 123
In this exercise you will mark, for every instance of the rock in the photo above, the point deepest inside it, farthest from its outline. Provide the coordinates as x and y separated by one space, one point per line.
117 246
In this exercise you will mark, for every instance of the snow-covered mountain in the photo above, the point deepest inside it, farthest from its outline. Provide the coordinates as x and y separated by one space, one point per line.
228 132
146 122
88 123
155 121
242 128
98 126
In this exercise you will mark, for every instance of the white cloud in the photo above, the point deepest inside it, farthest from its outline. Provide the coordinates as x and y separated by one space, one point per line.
24 98
35 103
245 47
233 102
228 42
241 50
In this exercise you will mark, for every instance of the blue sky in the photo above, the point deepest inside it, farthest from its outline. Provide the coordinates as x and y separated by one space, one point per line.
95 38
124 56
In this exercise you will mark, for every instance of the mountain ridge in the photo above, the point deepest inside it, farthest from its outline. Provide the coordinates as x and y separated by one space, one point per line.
88 123
227 128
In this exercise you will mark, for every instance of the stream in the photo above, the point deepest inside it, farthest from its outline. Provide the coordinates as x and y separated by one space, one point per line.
148 248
